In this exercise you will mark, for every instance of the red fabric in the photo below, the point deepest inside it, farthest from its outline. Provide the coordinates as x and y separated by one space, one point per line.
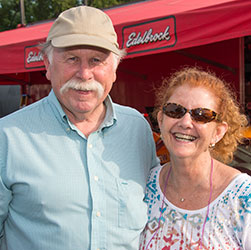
191 23
196 22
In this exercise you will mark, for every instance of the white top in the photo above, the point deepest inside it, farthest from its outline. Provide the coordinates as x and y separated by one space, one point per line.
228 225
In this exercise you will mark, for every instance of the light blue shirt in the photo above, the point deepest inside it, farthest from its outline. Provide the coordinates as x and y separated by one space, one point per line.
62 191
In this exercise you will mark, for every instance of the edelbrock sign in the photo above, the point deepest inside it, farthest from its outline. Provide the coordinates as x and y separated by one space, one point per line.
148 36
33 57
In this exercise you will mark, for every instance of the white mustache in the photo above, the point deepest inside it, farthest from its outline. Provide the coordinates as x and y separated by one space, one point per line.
84 86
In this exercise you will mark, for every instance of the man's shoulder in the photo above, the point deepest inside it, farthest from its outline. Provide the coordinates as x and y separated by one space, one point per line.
127 111
23 114
132 118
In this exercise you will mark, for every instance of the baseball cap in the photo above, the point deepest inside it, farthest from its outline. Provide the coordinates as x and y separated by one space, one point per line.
84 25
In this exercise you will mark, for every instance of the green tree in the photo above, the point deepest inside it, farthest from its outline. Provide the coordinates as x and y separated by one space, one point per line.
9 14
38 10
102 4
35 10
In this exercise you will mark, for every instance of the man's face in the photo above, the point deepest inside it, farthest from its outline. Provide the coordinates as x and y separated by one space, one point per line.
88 69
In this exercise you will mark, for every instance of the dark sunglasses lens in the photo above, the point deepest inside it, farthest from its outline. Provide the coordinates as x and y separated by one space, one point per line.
173 110
203 115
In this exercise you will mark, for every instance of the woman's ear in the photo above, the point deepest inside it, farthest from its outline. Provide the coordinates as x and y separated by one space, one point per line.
160 118
221 130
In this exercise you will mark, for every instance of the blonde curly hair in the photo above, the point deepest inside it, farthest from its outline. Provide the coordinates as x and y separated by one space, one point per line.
228 107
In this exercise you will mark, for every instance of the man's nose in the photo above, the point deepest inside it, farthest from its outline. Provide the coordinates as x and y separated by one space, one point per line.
85 72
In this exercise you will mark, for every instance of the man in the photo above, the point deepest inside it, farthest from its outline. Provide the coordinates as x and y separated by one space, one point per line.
74 165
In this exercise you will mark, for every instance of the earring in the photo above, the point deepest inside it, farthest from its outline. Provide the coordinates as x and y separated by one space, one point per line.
212 145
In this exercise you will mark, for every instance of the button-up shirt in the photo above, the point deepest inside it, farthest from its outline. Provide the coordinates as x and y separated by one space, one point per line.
62 191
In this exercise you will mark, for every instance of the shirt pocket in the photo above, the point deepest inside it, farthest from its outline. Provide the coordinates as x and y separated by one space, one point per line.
132 208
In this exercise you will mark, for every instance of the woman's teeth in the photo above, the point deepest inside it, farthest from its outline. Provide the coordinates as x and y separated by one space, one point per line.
183 137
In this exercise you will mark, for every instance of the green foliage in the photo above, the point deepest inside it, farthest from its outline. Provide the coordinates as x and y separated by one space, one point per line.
105 3
38 10
9 14
47 9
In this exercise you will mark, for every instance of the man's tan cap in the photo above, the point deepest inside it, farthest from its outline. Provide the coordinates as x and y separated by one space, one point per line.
84 25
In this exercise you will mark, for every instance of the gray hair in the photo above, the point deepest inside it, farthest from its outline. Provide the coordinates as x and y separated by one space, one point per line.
47 50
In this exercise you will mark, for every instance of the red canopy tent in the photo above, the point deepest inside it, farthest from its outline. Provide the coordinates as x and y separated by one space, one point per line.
159 35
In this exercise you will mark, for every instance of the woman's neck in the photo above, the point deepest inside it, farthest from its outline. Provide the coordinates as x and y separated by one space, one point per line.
190 172
188 185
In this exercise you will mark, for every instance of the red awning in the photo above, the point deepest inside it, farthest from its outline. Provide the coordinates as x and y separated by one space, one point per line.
143 28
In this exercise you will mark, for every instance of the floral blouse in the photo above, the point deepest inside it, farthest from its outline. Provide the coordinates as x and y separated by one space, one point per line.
228 225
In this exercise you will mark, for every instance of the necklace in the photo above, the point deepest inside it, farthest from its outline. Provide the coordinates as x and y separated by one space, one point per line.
182 199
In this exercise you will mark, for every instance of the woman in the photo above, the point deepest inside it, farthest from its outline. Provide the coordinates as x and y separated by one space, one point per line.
196 201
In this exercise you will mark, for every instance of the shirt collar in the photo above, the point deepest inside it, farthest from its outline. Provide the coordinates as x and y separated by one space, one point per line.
110 117
56 105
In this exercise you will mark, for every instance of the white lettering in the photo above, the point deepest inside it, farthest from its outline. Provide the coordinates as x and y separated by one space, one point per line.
136 39
34 57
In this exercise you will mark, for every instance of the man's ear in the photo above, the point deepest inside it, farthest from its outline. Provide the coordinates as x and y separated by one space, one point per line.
115 76
47 67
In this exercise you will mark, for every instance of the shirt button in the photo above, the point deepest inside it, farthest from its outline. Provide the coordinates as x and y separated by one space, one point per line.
96 178
90 145
68 129
98 214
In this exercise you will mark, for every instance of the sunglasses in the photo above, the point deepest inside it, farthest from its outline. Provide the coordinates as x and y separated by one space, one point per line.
201 115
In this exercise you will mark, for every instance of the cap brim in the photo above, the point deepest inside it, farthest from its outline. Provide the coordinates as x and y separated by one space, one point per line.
80 39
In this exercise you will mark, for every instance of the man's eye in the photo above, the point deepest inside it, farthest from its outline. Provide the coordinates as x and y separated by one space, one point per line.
95 60
72 59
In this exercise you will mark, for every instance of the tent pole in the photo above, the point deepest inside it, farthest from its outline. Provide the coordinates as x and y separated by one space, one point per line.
23 22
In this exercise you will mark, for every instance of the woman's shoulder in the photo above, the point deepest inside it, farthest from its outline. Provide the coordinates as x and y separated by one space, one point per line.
152 185
154 174
234 180
235 200
241 181
226 175
155 171
238 191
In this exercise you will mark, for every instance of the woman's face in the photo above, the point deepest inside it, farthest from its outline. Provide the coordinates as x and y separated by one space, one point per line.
185 137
